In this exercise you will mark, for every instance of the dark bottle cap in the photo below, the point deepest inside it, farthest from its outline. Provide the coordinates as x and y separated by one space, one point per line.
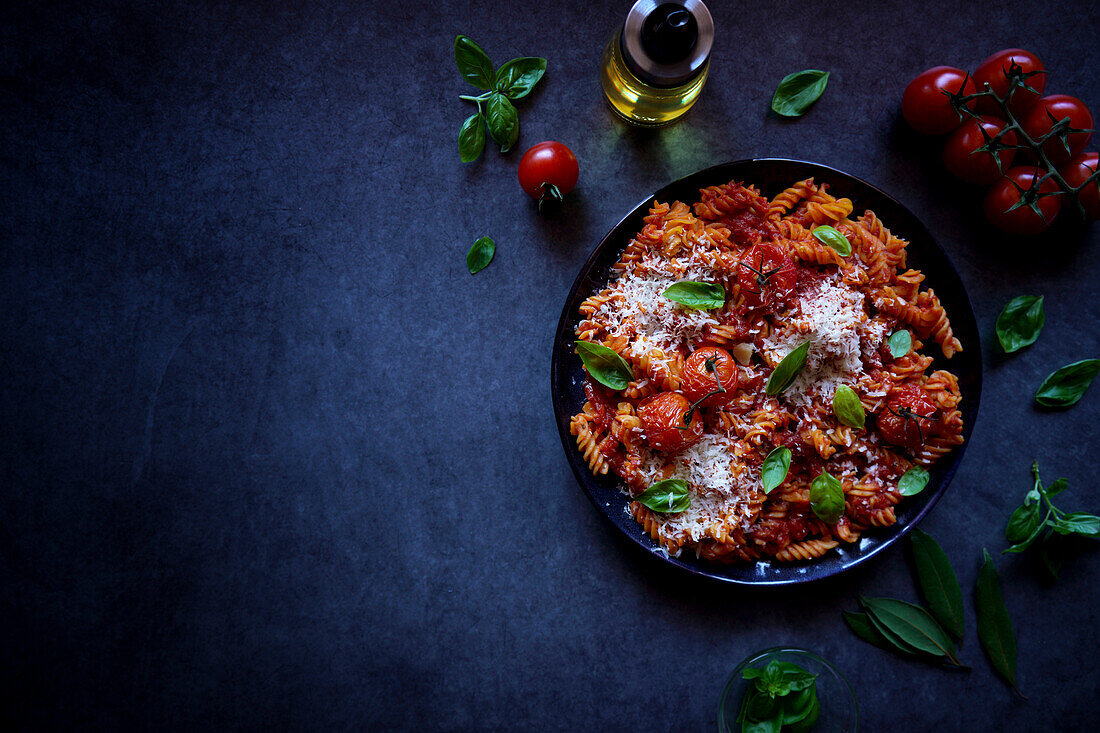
666 44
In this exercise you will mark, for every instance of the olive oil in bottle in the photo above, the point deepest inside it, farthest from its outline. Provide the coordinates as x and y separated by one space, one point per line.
654 67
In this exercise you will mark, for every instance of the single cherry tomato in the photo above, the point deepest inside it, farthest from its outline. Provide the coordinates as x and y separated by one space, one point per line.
925 105
960 151
997 71
1020 183
662 418
548 171
766 275
910 417
1076 172
697 380
1037 123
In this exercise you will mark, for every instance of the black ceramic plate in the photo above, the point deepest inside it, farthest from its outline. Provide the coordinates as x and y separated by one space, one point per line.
772 175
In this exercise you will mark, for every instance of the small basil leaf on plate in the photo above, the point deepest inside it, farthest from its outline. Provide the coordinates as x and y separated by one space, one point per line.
1066 386
833 238
701 296
787 370
775 467
938 583
471 138
913 481
503 121
604 365
519 76
480 254
473 63
994 624
827 498
1020 322
670 496
798 91
900 342
847 407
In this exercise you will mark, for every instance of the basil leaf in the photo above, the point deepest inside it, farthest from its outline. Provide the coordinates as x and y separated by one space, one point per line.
471 138
848 408
769 724
701 296
938 583
480 255
1030 540
806 724
503 121
775 467
798 91
994 625
827 498
795 677
861 626
670 496
1020 322
799 705
1048 554
900 342
1078 523
1066 386
473 63
1055 488
1023 523
787 370
833 238
913 481
519 76
911 624
604 365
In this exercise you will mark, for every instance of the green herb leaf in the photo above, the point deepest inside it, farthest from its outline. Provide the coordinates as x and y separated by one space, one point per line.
1078 523
767 725
670 496
471 138
847 407
473 63
1055 488
833 238
519 76
994 625
775 467
480 255
787 370
892 638
1066 386
798 91
701 296
938 583
913 481
604 365
1051 558
827 498
503 121
912 625
799 705
861 625
900 342
1020 322
1023 523
806 724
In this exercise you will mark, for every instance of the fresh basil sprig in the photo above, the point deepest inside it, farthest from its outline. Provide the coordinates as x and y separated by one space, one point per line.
605 365
774 470
827 498
514 80
994 624
697 295
847 407
900 342
782 696
787 370
833 238
670 496
1020 322
1066 386
480 254
798 91
913 481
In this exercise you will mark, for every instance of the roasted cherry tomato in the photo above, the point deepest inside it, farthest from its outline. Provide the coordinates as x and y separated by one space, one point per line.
548 171
766 275
698 381
960 154
662 418
1005 193
909 419
925 105
1038 122
996 71
1076 172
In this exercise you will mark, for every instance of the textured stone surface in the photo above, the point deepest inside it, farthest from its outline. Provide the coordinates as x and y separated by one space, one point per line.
270 457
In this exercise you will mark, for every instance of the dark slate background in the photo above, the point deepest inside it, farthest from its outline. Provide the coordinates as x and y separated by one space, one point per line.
270 457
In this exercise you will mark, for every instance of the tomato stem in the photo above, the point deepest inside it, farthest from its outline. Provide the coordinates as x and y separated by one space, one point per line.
550 196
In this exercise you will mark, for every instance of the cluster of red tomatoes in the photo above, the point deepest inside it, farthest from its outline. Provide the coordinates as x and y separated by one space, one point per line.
1029 148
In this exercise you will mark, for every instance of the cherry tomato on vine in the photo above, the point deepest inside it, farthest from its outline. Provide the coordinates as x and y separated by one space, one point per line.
548 171
1037 122
697 381
995 71
1076 172
927 108
1019 183
662 417
766 275
910 418
960 156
